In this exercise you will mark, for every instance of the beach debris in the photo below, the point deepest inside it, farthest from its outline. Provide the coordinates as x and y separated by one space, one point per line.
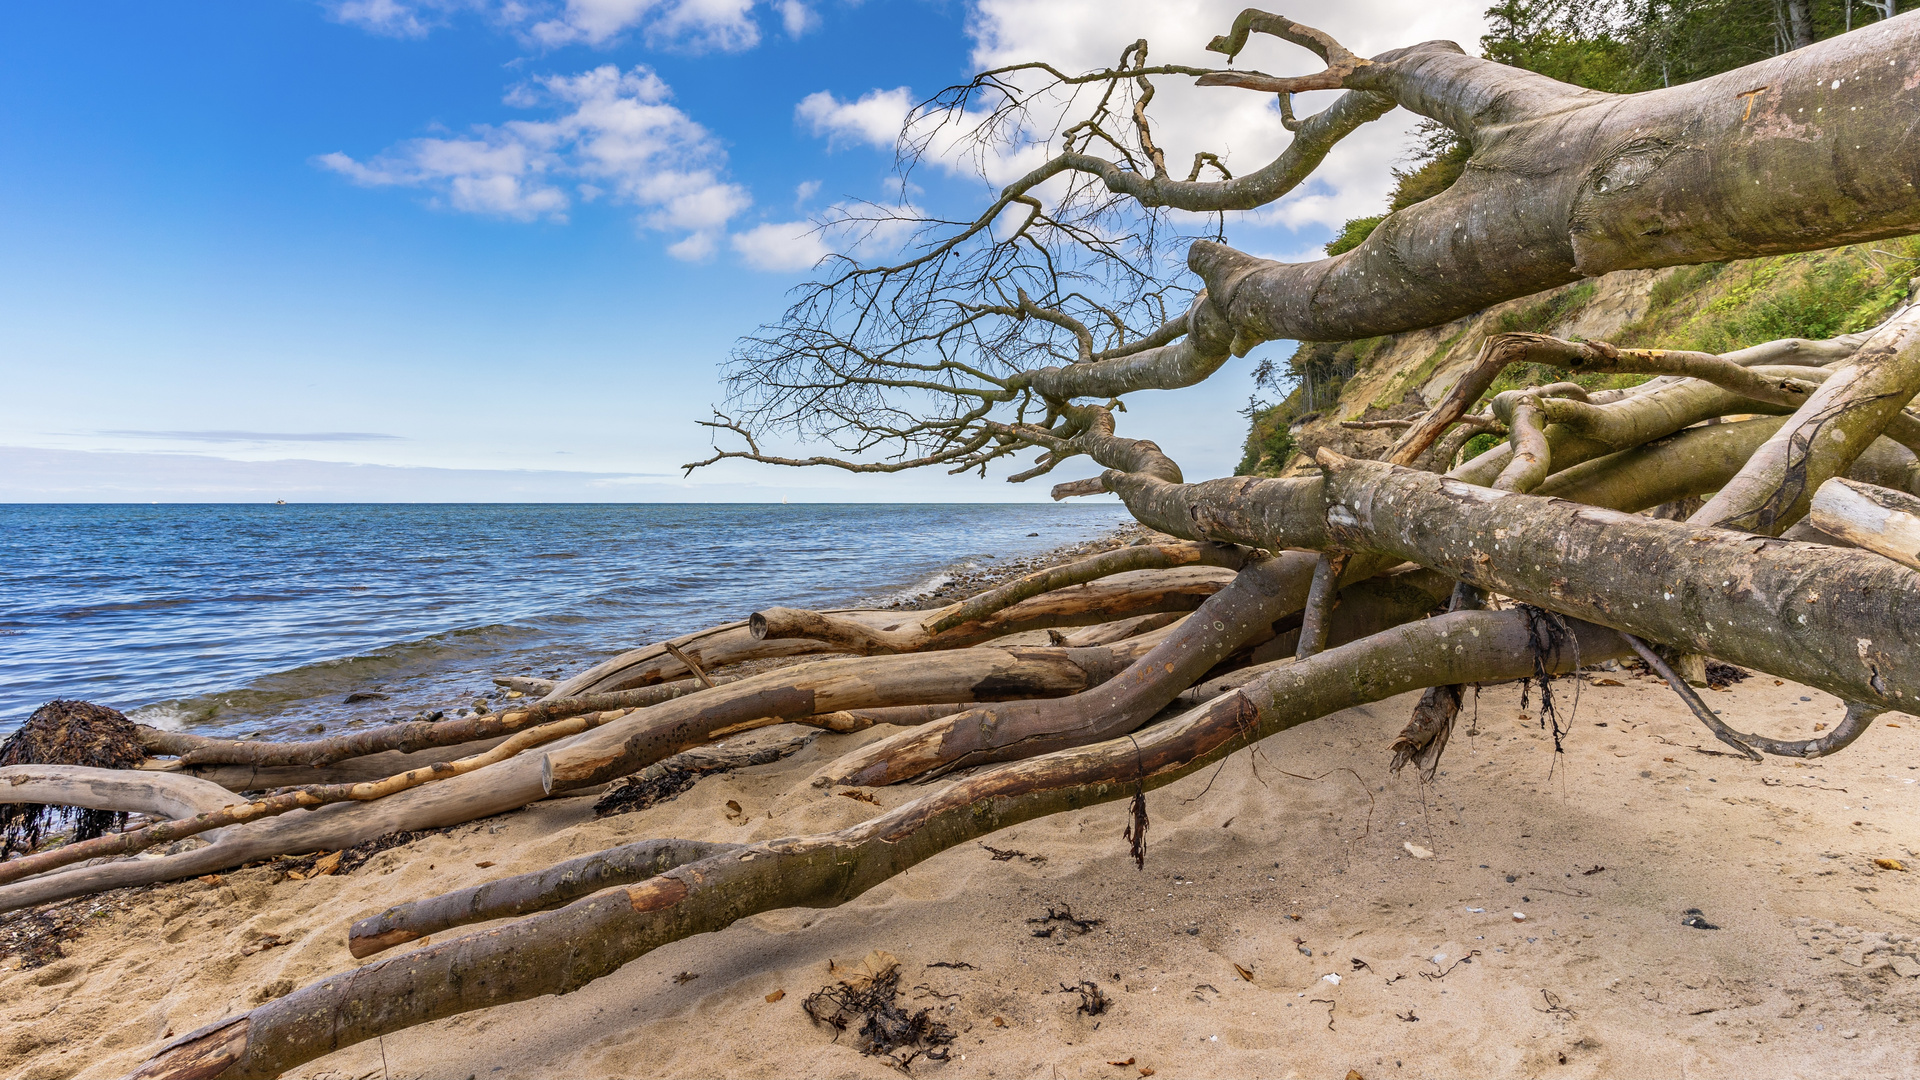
1129 1061
1000 1021
1093 1000
685 977
1408 1016
1695 918
1330 977
1009 854
1065 916
776 996
1553 1005
1361 965
1146 1070
864 1003
1416 850
63 732
859 796
1890 864
1519 916
1589 873
485 864
1478 910
322 866
1136 831
1720 676
1245 973
638 793
957 965
263 943
1432 977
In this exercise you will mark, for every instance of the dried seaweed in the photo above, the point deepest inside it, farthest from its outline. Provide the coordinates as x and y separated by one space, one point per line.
66 733
880 1027
1063 915
640 792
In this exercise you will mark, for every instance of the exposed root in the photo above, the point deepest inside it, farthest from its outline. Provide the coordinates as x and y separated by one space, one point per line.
1425 737
1547 635
1859 717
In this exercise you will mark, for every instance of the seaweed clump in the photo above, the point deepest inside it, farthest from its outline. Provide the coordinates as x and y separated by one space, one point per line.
66 733
865 1004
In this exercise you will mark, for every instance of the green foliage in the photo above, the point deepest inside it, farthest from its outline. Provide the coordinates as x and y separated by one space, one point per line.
1721 307
1352 233
1269 441
1431 175
1479 444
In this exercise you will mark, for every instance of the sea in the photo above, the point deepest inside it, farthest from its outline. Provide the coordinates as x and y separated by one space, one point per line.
237 619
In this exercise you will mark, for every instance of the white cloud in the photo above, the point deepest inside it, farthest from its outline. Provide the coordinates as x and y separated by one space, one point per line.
797 17
875 118
805 191
785 245
391 18
726 25
616 134
697 25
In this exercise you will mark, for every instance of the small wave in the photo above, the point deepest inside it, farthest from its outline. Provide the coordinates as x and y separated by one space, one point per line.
166 717
326 681
924 589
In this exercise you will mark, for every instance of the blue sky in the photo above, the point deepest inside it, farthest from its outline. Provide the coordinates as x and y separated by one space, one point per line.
464 249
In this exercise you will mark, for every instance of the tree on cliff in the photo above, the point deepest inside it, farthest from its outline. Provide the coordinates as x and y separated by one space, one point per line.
1024 328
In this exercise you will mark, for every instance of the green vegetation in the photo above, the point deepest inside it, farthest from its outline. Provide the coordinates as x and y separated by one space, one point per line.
1354 231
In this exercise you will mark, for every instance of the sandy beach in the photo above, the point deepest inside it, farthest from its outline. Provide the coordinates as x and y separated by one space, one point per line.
1288 921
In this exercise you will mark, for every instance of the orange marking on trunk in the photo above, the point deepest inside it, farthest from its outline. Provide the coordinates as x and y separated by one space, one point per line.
660 892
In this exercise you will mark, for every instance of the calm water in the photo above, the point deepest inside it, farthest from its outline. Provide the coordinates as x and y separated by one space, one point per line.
229 618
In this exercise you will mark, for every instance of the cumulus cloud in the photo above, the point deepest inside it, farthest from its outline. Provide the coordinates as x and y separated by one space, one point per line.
694 25
875 118
726 25
782 245
797 17
390 18
616 135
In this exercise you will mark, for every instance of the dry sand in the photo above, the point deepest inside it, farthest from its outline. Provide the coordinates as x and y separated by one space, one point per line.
1603 850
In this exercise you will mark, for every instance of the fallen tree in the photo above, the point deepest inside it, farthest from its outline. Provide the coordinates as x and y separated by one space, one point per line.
1269 602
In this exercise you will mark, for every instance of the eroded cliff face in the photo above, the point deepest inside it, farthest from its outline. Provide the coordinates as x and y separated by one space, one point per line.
1715 308
1404 374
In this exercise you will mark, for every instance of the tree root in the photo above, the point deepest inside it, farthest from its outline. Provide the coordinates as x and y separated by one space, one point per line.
408 737
562 950
523 894
1263 591
1859 717
305 798
632 742
1127 593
